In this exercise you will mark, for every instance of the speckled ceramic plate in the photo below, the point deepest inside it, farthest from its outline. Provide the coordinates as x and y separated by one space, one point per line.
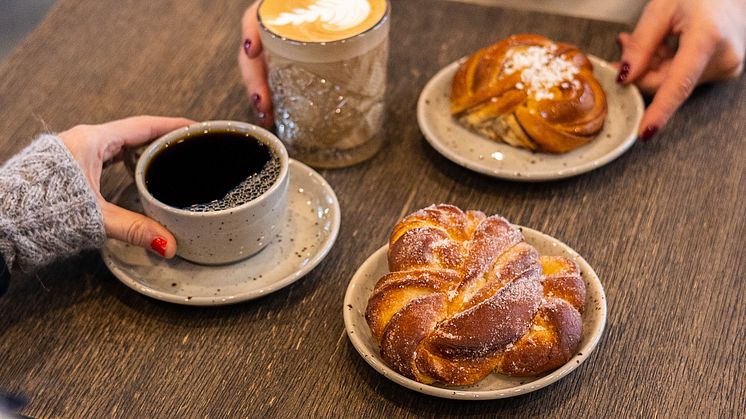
500 160
494 386
311 227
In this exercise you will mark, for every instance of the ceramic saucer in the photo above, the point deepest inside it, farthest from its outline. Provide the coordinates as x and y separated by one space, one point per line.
494 386
310 229
500 160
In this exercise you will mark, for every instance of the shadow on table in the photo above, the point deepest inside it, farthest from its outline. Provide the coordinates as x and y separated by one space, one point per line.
85 280
282 300
481 181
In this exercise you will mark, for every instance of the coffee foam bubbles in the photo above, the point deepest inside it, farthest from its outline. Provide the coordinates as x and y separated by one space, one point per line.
250 189
320 20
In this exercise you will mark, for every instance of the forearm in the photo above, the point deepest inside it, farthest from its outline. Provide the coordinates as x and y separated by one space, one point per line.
47 209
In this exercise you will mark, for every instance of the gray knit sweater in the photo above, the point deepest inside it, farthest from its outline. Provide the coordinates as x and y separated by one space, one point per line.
47 209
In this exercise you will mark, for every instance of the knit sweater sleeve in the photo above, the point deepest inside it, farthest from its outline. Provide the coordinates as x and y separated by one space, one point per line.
47 209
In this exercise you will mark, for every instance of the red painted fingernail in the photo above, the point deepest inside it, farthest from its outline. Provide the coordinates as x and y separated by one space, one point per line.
247 47
257 100
649 132
159 245
623 72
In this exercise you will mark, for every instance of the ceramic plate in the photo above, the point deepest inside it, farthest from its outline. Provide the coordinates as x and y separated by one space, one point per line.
310 229
494 386
500 160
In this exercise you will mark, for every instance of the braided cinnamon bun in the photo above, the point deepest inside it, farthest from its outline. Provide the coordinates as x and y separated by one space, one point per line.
466 295
530 92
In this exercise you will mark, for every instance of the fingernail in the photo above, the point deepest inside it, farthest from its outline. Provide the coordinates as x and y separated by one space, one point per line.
257 100
261 116
623 72
159 245
649 132
247 46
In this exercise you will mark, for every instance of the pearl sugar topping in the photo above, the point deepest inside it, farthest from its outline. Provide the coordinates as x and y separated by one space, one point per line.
540 69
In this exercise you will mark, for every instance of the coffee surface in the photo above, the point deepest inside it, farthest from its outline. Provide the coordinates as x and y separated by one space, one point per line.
212 171
320 20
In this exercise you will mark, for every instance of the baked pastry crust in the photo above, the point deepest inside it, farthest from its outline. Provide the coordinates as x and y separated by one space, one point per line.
466 295
530 92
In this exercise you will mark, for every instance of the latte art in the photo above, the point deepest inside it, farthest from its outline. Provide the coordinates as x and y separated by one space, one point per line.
334 15
320 20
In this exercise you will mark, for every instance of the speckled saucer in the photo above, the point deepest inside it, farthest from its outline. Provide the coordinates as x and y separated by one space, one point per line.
494 386
310 229
492 158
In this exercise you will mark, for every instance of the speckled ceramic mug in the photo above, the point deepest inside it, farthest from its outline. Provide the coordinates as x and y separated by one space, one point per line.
227 235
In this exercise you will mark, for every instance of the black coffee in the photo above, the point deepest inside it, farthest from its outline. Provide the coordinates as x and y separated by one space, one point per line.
212 171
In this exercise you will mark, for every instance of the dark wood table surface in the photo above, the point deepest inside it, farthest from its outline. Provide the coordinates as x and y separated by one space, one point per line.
663 227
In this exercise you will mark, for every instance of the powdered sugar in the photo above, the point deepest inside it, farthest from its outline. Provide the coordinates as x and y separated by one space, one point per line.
452 294
540 69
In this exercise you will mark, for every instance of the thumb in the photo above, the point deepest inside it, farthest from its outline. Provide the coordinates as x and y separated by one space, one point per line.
138 230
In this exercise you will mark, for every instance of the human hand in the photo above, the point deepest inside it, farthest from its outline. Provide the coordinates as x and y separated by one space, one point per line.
254 68
711 47
92 145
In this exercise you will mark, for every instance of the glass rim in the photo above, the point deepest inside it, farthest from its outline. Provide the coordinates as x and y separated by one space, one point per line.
377 25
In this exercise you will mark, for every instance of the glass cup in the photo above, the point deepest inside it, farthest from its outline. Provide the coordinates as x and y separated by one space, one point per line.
329 96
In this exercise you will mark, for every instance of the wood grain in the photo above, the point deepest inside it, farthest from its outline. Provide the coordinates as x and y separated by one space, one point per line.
663 227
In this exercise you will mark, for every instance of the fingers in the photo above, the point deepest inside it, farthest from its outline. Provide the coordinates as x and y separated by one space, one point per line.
695 51
253 68
658 67
639 47
137 130
251 42
137 229
254 74
651 81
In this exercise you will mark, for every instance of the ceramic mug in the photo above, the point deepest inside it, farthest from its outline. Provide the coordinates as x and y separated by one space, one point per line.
226 235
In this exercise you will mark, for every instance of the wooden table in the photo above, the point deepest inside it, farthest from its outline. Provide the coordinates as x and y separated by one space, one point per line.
663 226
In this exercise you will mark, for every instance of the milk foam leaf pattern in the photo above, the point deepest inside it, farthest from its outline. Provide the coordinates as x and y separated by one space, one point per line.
334 14
466 296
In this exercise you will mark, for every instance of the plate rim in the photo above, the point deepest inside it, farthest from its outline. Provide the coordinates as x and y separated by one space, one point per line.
457 393
543 176
205 301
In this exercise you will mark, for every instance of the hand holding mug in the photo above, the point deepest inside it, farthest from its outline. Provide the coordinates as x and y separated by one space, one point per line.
93 145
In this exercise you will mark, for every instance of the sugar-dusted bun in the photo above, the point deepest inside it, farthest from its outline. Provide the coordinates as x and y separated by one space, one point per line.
556 328
530 92
466 296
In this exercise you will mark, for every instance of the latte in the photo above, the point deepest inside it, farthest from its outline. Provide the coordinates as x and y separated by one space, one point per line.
320 20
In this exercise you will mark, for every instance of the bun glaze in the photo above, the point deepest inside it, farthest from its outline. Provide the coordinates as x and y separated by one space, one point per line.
530 92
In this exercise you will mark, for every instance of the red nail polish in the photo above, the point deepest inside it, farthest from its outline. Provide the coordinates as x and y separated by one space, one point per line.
246 46
623 72
257 99
649 132
159 245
